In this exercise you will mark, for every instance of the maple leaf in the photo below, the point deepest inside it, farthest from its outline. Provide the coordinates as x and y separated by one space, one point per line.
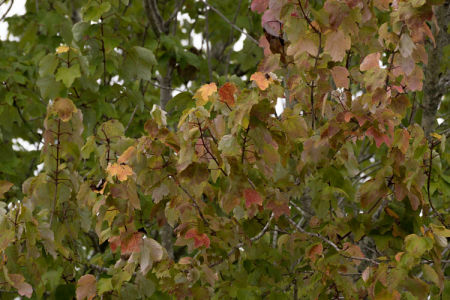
354 251
340 76
23 288
260 79
378 136
204 92
64 107
226 93
121 171
336 44
86 287
371 61
252 197
199 239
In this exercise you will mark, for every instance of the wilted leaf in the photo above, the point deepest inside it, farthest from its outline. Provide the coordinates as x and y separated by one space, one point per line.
86 287
64 107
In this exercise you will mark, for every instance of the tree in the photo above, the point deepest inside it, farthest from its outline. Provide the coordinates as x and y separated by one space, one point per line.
145 194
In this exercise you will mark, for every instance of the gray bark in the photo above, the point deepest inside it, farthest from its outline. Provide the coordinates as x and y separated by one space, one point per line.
436 80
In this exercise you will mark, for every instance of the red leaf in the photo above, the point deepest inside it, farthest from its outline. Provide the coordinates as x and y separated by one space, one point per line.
379 137
315 251
226 93
114 242
251 197
199 239
131 244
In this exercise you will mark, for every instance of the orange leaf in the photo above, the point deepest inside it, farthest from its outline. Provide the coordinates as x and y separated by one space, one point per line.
226 93
252 197
203 93
260 79
131 244
340 76
126 155
64 107
121 171
336 44
86 287
371 61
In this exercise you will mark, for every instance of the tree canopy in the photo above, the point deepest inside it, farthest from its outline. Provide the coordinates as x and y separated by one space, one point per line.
162 167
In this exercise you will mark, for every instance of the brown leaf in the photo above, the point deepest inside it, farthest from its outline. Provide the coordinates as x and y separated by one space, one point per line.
4 187
336 44
23 288
64 107
226 93
340 76
371 61
121 171
354 251
260 79
252 197
315 251
131 244
86 287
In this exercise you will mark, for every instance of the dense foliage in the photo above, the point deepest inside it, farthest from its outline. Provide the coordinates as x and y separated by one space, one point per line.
213 194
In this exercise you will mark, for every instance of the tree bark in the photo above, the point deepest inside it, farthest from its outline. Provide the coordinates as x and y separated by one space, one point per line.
436 80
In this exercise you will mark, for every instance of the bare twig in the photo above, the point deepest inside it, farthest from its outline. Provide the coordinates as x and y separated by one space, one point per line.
178 7
230 23
7 11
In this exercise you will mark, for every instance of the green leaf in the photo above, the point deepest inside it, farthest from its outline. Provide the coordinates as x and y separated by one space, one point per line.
417 246
68 75
95 11
138 63
229 146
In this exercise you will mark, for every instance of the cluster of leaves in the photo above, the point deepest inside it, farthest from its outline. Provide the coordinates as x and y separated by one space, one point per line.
340 195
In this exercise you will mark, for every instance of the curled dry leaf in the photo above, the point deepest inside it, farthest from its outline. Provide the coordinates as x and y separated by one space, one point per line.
64 108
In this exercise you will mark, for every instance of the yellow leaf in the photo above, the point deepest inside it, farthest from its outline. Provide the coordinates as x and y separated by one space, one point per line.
261 81
62 49
64 107
436 135
121 171
204 92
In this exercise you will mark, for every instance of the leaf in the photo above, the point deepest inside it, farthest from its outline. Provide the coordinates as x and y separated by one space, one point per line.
259 6
126 155
260 79
23 288
336 44
199 239
68 75
121 171
160 192
138 63
315 251
229 146
86 287
4 187
371 61
406 45
378 136
226 93
62 49
417 246
252 197
340 76
64 107
204 92
440 230
94 11
131 243
429 274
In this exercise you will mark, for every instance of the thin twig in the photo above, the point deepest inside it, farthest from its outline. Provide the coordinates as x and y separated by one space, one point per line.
7 11
230 23
195 204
